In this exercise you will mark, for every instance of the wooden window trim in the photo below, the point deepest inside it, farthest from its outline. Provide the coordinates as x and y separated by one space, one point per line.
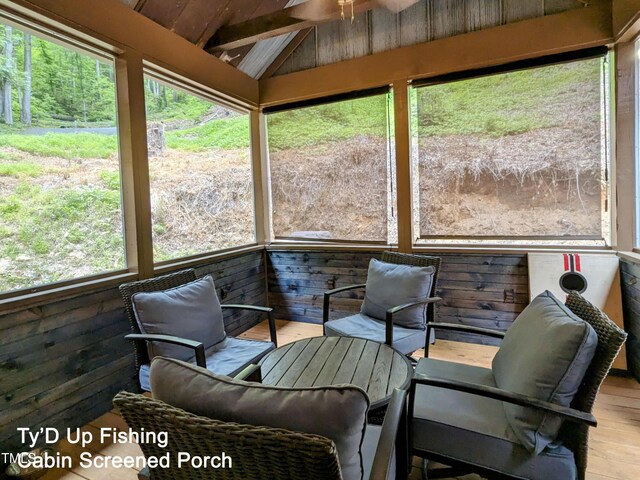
204 258
54 292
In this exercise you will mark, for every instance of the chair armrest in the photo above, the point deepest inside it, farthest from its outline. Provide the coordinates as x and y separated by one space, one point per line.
327 298
466 328
198 347
567 413
392 311
257 308
460 328
395 414
251 373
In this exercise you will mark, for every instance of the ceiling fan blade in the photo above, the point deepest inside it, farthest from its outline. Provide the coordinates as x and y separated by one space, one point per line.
315 10
396 6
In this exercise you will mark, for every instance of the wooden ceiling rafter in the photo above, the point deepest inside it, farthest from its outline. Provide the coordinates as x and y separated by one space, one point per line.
139 5
283 21
286 52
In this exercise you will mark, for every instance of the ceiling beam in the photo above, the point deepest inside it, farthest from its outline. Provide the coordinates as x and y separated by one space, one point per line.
288 20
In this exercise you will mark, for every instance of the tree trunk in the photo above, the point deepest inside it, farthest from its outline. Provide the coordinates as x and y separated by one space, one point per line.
8 52
82 94
25 112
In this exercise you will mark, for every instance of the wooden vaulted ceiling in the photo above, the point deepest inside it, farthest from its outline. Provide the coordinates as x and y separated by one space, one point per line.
257 36
198 20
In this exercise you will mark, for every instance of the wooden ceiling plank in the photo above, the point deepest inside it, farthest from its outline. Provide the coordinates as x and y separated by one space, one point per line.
214 24
162 12
286 52
197 16
273 24
236 11
302 58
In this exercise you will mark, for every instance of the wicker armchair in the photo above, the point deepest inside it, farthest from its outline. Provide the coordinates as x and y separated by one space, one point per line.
166 282
443 377
402 339
256 452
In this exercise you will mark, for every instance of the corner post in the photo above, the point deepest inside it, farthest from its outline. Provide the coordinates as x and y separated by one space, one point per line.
260 163
134 163
403 165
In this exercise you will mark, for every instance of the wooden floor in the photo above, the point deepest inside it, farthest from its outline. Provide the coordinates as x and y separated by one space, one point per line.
614 446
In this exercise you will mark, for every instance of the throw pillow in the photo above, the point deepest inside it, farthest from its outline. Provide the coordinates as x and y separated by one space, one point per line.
336 412
390 285
544 354
189 311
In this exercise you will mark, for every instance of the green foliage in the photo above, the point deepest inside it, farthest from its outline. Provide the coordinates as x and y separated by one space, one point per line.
507 104
322 124
226 133
111 179
40 225
67 86
20 169
165 104
63 145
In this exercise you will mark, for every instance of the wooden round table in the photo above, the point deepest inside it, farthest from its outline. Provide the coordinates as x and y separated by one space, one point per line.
321 361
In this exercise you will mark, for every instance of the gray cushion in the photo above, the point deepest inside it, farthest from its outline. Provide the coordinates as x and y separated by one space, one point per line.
475 430
335 412
405 340
390 285
228 357
189 311
544 354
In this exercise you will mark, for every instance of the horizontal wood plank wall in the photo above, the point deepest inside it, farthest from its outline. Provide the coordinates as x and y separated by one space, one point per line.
481 290
630 278
61 363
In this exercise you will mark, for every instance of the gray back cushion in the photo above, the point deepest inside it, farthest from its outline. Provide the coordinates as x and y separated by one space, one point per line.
335 412
545 355
390 285
189 311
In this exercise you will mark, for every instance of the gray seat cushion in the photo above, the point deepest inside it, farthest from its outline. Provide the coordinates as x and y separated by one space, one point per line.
405 340
544 354
335 412
390 285
228 357
475 430
189 311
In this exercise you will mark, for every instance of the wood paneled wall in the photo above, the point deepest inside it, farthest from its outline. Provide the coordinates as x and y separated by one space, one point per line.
482 290
380 30
61 363
630 278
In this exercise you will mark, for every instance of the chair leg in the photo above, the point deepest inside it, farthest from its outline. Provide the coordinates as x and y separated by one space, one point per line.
424 469
413 360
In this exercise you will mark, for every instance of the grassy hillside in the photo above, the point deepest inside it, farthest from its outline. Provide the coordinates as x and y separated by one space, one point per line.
508 104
